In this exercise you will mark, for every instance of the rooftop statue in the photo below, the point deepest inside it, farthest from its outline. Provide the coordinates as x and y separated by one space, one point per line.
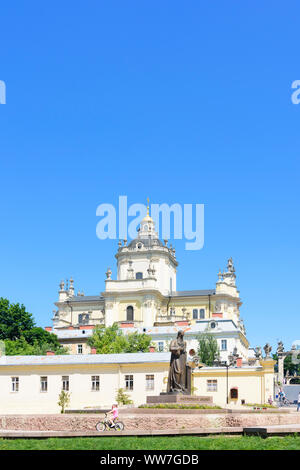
230 266
280 347
267 349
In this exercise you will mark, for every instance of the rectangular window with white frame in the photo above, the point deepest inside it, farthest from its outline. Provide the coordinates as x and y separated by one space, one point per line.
79 349
95 383
212 385
44 384
15 384
224 345
65 383
129 382
149 382
160 346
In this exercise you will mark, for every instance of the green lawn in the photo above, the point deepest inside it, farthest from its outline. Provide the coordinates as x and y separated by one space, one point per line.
155 443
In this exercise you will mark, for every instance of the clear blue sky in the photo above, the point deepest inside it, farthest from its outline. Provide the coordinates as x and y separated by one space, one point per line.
184 102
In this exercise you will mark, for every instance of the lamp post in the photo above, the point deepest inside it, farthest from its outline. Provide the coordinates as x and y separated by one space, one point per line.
232 362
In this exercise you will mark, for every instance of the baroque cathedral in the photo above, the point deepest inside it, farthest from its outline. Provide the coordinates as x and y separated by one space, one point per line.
144 298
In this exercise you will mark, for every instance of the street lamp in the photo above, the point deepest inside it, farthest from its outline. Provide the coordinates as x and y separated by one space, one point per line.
232 362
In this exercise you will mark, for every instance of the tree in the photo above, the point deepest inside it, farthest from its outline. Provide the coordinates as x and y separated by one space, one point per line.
63 400
14 320
122 398
20 334
108 340
288 366
111 340
21 347
42 337
207 348
18 347
138 342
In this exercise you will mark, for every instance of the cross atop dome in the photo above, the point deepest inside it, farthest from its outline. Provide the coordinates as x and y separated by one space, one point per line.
147 226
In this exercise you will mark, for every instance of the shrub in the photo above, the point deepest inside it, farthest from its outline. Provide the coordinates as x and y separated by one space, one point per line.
122 398
63 400
178 406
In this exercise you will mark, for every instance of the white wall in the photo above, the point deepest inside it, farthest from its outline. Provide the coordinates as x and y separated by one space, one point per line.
30 399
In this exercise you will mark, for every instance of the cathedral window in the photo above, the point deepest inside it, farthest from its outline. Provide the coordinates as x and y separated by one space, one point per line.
129 313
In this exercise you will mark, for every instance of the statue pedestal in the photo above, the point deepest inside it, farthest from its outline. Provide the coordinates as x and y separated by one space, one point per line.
179 398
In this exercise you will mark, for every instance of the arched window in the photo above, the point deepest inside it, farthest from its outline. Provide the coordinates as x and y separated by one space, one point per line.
129 313
234 393
202 313
139 275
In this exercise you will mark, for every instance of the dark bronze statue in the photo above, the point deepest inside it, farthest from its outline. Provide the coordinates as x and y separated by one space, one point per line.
178 374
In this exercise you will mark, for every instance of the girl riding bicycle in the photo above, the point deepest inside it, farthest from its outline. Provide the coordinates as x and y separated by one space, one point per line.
115 413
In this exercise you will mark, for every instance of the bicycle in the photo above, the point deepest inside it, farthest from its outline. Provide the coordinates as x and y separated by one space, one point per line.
284 402
105 425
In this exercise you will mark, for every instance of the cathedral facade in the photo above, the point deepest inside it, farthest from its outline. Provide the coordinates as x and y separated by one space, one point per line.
144 298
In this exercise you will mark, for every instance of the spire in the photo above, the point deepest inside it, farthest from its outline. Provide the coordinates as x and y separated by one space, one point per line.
148 206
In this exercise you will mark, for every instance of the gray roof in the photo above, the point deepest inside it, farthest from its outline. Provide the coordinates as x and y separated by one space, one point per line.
86 298
68 334
188 293
147 242
125 358
223 326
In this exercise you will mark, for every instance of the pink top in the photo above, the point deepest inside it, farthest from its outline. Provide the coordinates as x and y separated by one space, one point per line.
115 412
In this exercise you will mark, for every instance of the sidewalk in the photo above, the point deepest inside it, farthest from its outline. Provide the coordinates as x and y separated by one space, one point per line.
254 430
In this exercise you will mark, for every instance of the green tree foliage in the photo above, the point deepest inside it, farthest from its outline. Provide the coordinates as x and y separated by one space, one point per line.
289 366
20 334
41 336
207 348
138 342
14 320
21 347
111 340
63 400
122 398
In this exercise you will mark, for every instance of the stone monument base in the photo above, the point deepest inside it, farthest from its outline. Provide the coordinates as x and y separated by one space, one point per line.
179 398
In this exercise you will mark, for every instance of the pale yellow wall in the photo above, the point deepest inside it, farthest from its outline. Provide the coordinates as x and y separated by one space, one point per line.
30 399
254 386
178 305
122 306
73 347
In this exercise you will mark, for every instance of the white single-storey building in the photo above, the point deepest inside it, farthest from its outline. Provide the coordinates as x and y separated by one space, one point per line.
32 384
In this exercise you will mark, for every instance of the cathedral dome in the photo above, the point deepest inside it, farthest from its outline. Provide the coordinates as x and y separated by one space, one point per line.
149 242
